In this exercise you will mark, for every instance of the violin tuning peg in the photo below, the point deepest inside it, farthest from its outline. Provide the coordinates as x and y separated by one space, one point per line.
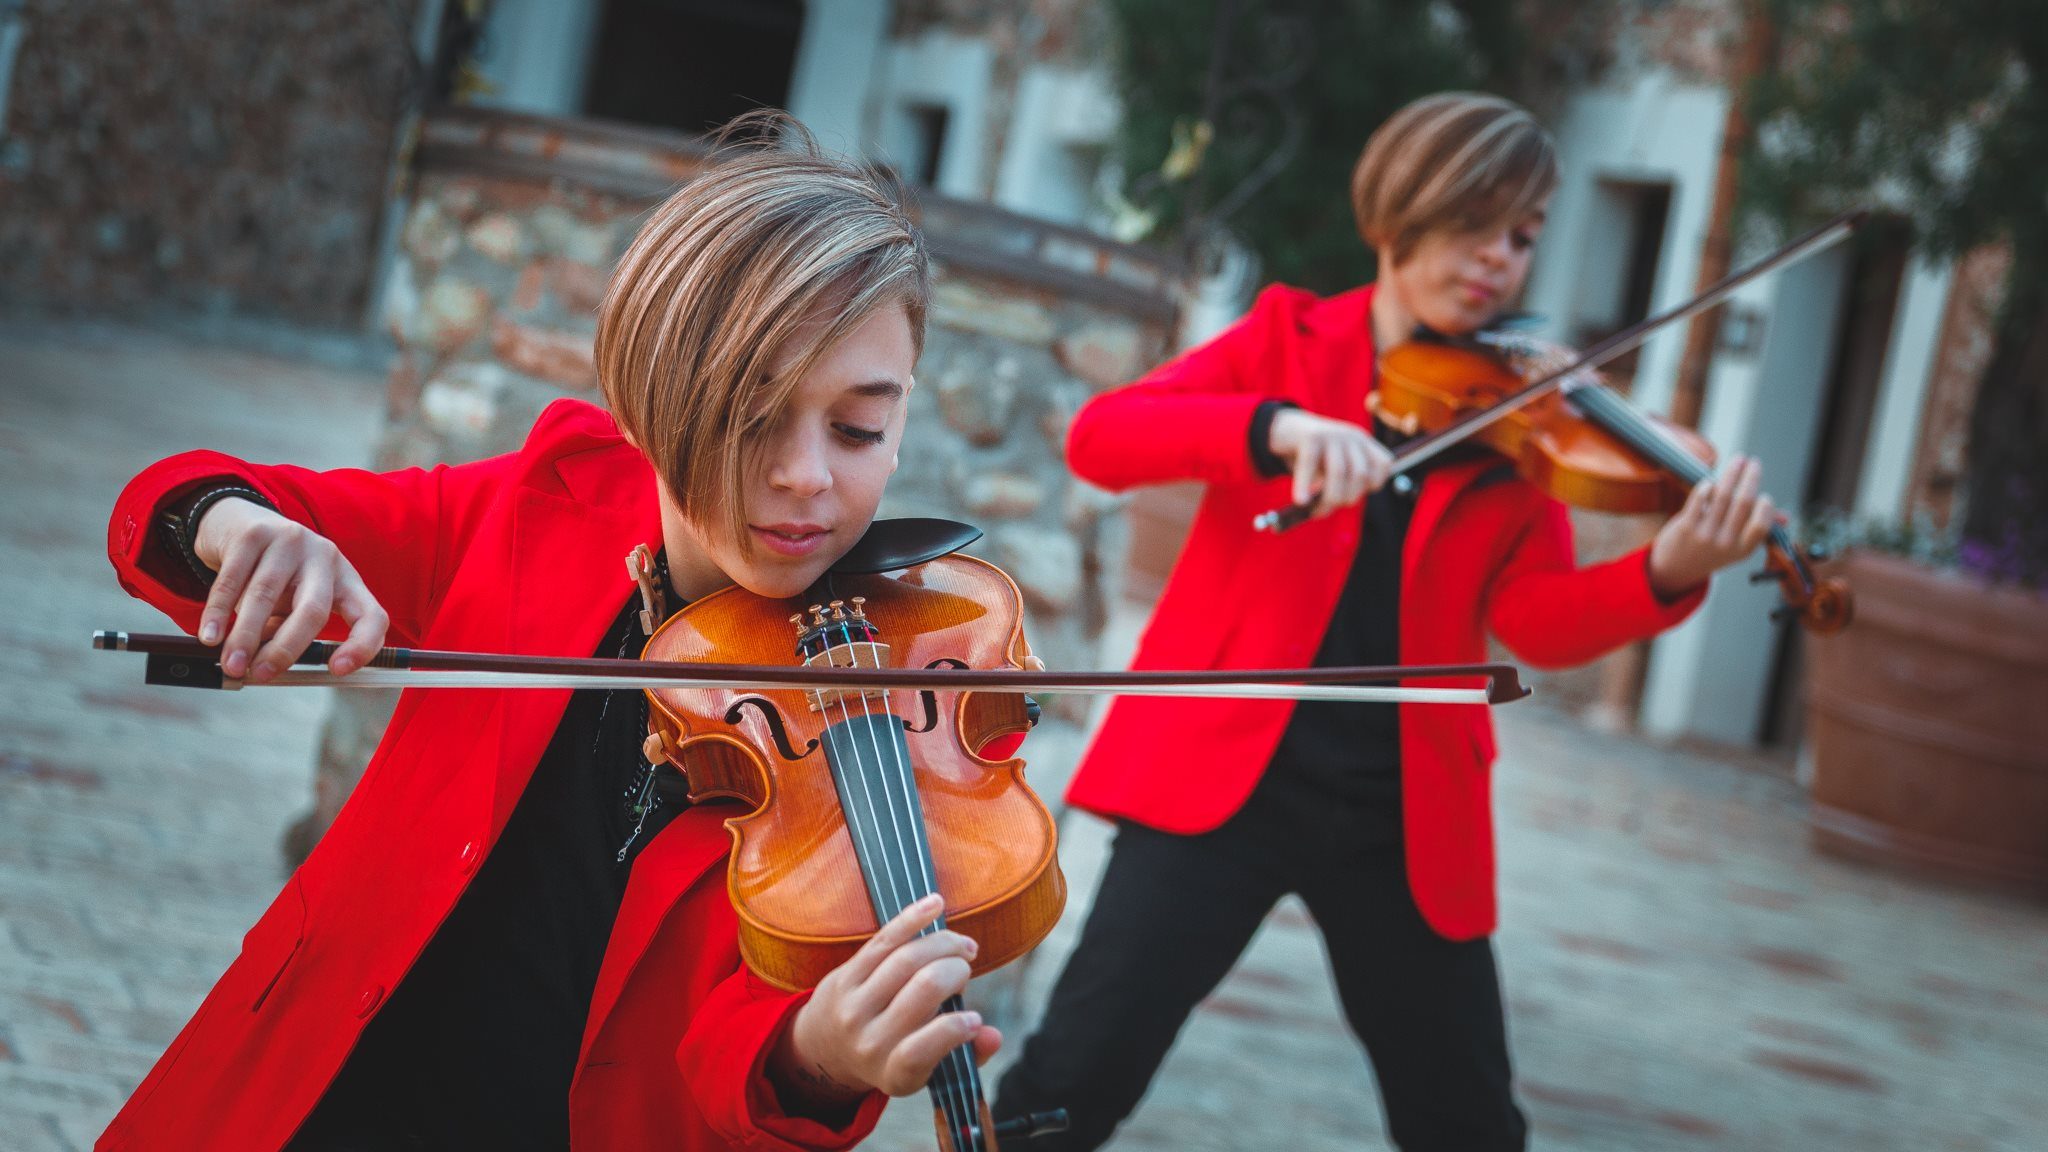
860 611
817 612
797 619
838 609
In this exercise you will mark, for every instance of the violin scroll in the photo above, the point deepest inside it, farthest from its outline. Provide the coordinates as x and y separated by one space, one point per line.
1823 605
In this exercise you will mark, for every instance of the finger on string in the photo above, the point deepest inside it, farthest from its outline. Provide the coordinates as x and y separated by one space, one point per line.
920 1052
901 929
265 588
898 970
1759 526
1748 479
312 604
221 599
1715 500
1690 512
922 995
988 1040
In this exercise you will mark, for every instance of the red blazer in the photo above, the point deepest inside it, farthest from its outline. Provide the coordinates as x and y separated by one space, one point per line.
1483 556
521 554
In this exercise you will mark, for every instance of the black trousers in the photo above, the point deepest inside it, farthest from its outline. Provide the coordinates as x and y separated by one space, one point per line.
1172 916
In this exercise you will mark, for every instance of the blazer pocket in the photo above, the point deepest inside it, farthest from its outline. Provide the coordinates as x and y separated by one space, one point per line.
268 948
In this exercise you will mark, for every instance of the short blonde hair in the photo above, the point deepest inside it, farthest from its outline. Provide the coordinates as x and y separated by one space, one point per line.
776 247
1459 161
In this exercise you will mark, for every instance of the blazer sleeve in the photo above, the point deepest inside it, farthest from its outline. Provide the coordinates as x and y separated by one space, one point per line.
1554 614
402 530
1190 418
724 1060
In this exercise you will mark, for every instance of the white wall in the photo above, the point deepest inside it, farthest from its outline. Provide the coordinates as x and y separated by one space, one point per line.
1063 119
943 70
1712 675
1902 396
836 64
1650 129
536 55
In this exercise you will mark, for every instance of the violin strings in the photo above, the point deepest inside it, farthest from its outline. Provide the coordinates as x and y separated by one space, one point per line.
961 1060
966 1089
917 854
869 834
879 867
948 1094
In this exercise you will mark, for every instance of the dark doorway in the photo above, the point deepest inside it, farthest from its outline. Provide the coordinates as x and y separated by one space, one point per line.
692 64
1878 268
1618 272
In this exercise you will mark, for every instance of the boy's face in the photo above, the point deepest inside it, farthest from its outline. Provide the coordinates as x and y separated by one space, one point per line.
815 474
1455 282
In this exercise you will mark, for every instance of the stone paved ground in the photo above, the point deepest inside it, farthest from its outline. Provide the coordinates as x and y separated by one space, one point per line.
1682 972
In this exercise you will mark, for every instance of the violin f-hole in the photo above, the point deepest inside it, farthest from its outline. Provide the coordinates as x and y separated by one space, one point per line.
734 714
930 699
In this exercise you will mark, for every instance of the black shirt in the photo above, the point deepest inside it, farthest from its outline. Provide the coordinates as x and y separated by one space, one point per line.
1341 761
1334 782
478 1044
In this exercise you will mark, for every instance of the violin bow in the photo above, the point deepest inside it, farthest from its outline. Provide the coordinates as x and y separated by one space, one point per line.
1417 451
183 661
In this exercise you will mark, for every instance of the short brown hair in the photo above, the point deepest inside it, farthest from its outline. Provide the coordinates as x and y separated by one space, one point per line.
1456 160
775 247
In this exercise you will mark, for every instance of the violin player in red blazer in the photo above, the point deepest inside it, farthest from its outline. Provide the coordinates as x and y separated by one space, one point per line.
509 939
1377 815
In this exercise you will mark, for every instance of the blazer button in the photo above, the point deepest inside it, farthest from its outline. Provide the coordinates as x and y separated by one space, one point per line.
471 853
371 997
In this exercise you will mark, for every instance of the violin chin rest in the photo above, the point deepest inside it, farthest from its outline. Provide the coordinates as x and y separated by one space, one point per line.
904 542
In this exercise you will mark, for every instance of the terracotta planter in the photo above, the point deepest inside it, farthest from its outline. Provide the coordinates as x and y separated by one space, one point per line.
1929 722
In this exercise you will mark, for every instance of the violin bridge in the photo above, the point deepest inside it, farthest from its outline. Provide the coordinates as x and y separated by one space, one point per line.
867 655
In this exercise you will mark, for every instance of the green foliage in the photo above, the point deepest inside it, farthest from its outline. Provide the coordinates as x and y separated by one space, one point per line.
1935 106
1364 59
1832 532
1938 109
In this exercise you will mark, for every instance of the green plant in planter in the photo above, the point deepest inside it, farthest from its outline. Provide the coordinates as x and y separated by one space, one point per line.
1940 110
1832 532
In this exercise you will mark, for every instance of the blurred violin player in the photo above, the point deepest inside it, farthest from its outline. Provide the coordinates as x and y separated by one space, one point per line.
510 938
1377 815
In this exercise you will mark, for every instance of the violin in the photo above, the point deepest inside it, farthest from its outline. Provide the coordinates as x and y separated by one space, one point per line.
862 801
850 724
1545 410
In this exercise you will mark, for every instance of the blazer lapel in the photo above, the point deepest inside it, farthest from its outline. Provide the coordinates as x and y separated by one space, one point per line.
569 582
677 857
1439 487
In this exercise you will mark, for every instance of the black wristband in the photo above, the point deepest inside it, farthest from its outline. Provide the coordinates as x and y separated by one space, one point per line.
182 523
1261 438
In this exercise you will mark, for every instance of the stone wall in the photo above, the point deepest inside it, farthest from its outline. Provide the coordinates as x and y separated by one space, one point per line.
493 302
228 155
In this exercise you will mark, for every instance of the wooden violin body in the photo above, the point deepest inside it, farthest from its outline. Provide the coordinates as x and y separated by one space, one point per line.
1426 386
899 770
1580 443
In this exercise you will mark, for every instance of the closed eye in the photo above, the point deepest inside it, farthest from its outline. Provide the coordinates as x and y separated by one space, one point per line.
861 436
